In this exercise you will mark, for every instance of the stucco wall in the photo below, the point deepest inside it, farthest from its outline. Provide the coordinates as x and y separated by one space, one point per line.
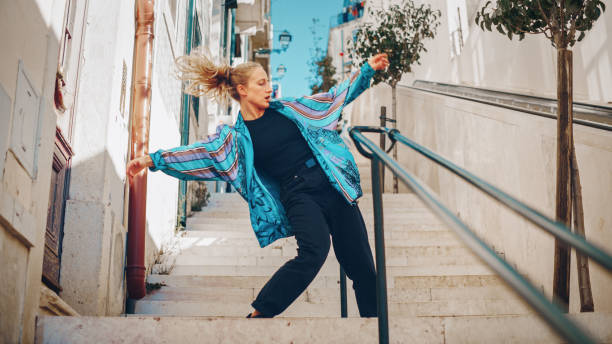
94 230
29 32
514 151
491 60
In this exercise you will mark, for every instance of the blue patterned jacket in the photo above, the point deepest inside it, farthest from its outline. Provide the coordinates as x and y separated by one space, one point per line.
228 155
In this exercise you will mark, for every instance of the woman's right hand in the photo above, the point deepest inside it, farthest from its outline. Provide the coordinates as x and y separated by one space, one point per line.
137 165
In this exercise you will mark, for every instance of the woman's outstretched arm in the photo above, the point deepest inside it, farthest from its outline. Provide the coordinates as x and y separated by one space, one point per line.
214 158
358 82
323 109
136 165
360 79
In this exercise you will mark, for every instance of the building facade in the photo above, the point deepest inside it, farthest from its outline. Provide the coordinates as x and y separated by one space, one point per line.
66 95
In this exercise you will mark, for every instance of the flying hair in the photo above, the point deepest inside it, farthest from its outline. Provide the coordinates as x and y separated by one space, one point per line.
203 77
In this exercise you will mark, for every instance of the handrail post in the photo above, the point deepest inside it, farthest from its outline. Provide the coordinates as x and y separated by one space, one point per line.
379 242
343 308
383 120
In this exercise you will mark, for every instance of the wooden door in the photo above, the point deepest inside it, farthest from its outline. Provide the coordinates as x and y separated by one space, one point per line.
55 213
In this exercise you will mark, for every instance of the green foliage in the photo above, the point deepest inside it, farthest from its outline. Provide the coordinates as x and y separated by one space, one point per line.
563 22
320 64
325 72
400 31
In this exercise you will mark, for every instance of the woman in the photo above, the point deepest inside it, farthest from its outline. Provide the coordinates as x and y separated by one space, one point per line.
286 160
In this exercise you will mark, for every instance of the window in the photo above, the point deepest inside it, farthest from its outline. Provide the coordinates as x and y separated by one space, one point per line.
457 25
68 60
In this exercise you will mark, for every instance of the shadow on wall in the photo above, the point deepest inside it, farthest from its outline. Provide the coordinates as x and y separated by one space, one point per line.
95 235
94 239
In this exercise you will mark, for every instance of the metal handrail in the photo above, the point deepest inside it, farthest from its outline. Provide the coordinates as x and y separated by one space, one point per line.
576 120
547 310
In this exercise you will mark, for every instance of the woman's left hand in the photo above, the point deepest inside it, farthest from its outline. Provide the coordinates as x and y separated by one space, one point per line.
379 61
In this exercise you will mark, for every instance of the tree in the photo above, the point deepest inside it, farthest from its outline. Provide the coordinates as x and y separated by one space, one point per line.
400 31
324 75
563 22
320 64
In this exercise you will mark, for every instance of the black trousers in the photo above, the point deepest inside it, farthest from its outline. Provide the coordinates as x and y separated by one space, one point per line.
316 210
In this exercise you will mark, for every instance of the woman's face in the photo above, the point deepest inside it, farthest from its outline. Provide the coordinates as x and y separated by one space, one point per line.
258 90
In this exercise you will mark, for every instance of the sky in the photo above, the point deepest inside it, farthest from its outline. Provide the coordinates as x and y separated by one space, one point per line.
296 17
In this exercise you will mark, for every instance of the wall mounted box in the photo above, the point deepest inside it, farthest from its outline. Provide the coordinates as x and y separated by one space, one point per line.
26 122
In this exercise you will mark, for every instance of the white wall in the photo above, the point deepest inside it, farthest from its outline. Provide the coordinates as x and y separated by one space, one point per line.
491 60
95 226
164 130
29 33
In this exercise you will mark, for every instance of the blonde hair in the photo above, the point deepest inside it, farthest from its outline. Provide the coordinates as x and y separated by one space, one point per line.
203 77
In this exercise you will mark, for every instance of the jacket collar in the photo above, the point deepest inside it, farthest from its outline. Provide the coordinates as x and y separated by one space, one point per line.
275 104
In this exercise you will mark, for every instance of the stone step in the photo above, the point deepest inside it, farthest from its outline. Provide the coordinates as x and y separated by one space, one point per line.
332 295
286 249
194 264
392 204
395 256
139 329
405 215
191 281
239 225
425 280
221 198
206 239
298 308
240 221
328 269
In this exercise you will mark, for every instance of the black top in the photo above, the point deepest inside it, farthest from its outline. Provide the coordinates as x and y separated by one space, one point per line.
279 147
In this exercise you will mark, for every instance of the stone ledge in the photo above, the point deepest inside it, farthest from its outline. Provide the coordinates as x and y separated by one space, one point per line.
51 304
172 329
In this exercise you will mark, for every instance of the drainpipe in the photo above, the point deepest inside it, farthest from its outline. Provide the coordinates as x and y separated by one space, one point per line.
139 146
185 116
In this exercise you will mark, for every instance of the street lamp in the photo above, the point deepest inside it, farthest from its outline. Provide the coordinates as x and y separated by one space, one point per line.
281 70
284 38
280 73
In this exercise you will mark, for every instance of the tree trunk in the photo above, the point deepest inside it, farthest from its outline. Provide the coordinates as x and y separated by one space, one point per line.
394 114
582 262
383 123
561 275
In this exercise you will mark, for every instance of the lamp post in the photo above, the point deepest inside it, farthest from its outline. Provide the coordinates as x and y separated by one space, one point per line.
280 73
284 39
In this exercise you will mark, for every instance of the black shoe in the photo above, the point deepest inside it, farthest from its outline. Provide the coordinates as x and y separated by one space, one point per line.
257 316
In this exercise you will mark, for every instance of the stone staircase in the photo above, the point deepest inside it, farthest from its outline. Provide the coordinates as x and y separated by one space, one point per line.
438 291
221 268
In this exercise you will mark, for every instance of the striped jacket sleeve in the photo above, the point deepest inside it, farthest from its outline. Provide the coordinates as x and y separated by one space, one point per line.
352 87
214 158
324 109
